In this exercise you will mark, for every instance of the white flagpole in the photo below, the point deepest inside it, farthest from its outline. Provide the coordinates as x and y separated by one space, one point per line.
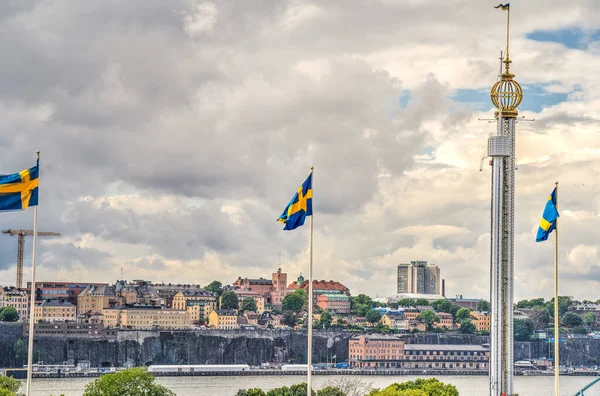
556 324
310 305
32 305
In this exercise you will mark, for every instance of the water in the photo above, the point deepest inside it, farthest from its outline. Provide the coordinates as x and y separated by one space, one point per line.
228 386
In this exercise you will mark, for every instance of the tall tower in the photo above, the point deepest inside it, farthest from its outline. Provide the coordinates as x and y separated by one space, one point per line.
506 95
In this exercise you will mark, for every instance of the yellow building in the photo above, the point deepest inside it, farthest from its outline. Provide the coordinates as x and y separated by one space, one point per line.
13 297
95 298
146 318
223 319
395 321
55 311
198 303
481 320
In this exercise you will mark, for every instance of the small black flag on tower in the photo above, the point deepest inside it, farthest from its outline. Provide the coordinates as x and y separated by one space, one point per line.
503 6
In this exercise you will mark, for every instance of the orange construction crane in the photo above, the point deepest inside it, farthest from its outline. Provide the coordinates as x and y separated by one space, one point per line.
21 244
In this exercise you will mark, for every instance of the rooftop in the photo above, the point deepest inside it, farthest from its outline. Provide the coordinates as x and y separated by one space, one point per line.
56 303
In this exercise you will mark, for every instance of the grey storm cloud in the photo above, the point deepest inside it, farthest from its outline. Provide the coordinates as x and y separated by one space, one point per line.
176 132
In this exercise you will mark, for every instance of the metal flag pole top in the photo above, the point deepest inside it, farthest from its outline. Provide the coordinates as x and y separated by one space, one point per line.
32 304
310 301
556 333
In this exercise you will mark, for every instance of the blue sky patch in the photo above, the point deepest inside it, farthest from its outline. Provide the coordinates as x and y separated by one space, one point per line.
574 38
404 98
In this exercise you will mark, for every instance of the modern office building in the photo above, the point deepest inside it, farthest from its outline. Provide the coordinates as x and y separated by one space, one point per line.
419 277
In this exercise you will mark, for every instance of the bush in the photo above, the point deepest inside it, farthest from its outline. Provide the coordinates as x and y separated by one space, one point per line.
130 382
419 387
294 390
9 386
330 391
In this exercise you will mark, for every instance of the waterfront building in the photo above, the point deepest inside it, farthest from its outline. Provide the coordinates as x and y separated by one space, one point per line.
146 318
223 319
95 298
481 320
418 277
319 287
395 321
258 298
55 311
167 291
67 291
334 303
18 299
279 290
446 320
388 352
199 303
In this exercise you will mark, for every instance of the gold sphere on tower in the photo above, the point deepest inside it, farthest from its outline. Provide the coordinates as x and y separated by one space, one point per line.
507 94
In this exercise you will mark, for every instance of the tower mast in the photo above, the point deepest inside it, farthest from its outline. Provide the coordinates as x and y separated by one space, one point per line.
506 95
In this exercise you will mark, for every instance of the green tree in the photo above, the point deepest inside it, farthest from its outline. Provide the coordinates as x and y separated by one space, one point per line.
571 319
540 317
330 391
589 319
229 300
422 302
215 287
289 319
293 302
580 330
537 302
523 304
523 329
564 303
407 302
462 314
248 304
250 392
467 326
373 316
326 320
429 317
454 310
419 387
130 382
9 314
361 309
9 386
442 305
362 299
294 390
20 351
483 306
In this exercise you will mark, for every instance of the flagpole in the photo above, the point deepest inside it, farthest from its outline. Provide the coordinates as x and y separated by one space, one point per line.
32 304
310 302
556 324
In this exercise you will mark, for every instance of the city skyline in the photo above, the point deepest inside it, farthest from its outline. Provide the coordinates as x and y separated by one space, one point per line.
168 147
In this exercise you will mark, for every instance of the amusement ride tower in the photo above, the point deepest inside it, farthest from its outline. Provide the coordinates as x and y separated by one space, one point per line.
506 95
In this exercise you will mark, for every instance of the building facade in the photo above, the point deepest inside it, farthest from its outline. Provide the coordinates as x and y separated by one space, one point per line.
199 303
18 299
50 311
95 298
319 287
167 291
481 320
279 290
258 298
389 352
67 291
334 303
70 329
418 277
223 319
146 318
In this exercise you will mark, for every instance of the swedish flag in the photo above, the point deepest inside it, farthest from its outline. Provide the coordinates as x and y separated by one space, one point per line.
300 206
548 222
19 190
503 6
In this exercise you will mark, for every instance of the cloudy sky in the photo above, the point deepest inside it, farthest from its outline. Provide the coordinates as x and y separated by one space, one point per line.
174 133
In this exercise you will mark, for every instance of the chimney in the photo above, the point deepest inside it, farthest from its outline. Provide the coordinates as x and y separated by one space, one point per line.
443 287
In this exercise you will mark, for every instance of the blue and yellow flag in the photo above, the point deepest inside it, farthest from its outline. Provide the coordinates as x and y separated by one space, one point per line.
19 190
503 6
548 222
300 206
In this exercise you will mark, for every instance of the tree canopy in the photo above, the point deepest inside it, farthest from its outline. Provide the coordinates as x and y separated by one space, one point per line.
523 329
373 316
215 287
293 302
467 326
419 387
463 313
571 319
483 306
9 314
442 305
248 304
130 382
326 320
429 317
229 300
289 319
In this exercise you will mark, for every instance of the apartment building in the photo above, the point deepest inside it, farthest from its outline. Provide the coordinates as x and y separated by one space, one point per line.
146 318
50 311
18 299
